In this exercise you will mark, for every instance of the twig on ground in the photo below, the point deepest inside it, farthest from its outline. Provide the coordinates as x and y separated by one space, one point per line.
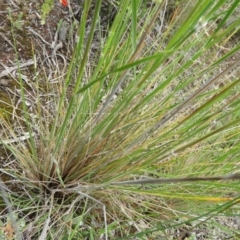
18 139
38 35
8 70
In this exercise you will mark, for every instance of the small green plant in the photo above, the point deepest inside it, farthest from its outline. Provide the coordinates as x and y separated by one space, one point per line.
151 102
19 22
16 23
46 8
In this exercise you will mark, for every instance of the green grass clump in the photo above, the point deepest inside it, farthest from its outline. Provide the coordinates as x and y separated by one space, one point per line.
156 100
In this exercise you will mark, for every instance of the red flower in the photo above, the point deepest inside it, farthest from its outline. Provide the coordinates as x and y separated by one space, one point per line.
64 2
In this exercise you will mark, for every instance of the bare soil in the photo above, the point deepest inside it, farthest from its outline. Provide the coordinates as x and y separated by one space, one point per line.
25 43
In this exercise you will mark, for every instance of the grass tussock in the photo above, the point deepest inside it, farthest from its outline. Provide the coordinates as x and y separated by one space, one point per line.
159 99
